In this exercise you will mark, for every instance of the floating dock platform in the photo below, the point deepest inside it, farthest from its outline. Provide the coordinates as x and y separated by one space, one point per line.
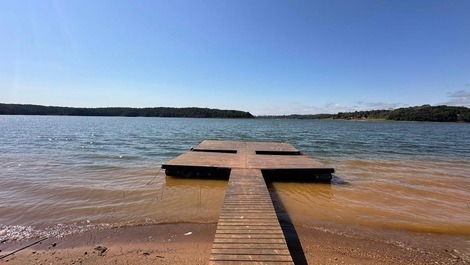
248 230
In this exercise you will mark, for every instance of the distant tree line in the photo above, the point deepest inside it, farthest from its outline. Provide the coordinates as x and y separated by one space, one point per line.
24 109
441 113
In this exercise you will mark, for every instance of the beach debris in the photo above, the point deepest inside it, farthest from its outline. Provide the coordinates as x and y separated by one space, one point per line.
18 250
161 257
145 253
54 244
101 250
188 233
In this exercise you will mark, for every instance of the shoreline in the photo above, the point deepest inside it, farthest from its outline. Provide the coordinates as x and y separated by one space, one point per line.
229 118
190 243
385 120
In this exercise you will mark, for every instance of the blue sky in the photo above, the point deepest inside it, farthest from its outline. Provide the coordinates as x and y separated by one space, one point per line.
266 57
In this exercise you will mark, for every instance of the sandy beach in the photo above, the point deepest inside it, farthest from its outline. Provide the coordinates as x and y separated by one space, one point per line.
190 244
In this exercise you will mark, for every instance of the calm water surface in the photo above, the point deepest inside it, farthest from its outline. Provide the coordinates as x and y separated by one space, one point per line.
65 174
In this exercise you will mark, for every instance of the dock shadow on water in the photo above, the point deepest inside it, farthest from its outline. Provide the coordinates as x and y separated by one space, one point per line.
288 229
287 226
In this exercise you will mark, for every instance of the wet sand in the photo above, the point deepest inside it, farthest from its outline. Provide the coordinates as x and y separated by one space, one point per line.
168 244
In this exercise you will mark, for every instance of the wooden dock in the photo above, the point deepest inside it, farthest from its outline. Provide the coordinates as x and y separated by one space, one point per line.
248 231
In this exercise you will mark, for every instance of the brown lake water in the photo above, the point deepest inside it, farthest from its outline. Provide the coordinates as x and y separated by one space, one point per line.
60 175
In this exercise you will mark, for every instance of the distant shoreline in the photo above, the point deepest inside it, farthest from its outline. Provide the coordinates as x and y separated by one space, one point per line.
385 120
428 113
255 118
424 113
363 120
166 112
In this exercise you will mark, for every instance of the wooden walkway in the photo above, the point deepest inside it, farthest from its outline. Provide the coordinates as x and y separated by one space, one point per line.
248 231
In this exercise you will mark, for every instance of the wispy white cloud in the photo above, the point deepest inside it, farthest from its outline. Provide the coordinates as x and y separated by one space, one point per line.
456 98
459 98
382 105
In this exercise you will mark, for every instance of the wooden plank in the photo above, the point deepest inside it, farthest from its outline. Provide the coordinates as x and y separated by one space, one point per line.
242 190
262 218
272 236
250 251
213 262
248 215
249 240
249 221
244 198
249 231
240 211
266 214
251 227
248 207
239 204
252 246
247 203
229 201
252 220
240 257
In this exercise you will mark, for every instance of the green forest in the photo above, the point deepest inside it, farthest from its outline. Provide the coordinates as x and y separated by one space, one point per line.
441 113
21 109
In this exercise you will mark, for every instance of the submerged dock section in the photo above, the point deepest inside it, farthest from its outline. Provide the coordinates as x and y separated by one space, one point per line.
248 231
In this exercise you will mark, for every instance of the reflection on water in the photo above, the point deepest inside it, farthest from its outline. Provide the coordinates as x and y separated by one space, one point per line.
66 174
